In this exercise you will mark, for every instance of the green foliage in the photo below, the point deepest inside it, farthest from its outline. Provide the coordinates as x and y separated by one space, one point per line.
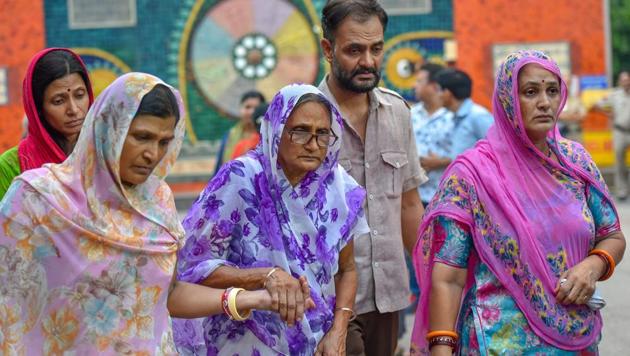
620 29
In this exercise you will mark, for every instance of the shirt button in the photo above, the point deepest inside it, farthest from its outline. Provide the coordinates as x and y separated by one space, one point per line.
375 232
371 196
376 264
367 165
397 164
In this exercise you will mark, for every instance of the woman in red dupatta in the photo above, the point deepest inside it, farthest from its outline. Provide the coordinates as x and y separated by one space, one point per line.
57 95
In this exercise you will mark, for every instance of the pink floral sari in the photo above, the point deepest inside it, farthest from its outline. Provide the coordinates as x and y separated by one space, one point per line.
86 263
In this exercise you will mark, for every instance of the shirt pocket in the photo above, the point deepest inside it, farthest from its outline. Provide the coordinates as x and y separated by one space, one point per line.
345 163
393 161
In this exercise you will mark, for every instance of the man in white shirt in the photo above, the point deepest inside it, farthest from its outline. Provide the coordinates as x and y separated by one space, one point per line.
619 103
432 125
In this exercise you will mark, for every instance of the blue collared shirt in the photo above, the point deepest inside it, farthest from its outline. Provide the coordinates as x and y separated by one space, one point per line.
433 135
471 123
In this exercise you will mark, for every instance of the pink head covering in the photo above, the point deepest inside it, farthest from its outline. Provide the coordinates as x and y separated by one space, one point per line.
525 212
38 147
90 260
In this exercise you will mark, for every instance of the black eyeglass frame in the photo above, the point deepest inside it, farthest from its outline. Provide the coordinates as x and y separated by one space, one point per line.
332 137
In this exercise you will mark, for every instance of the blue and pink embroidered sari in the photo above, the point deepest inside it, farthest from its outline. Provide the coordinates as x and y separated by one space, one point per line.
516 220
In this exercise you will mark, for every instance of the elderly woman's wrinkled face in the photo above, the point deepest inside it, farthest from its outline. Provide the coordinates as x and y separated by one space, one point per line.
539 98
301 150
146 144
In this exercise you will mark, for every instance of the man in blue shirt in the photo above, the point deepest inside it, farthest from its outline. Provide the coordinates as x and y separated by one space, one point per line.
471 121
432 125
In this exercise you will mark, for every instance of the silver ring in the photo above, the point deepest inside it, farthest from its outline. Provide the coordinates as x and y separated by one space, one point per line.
563 281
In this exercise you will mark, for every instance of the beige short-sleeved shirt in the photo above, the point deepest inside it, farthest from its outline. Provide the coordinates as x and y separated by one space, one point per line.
387 165
619 100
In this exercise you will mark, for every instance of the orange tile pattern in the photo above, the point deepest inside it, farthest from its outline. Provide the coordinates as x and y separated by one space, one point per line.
21 35
478 24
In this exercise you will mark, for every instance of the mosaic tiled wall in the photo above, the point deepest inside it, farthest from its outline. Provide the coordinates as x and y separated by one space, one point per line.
21 35
213 50
193 45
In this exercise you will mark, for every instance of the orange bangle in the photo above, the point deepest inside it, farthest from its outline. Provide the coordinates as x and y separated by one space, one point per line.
609 259
436 333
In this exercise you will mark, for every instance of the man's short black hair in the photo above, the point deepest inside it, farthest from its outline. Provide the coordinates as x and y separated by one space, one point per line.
259 114
336 11
455 81
432 68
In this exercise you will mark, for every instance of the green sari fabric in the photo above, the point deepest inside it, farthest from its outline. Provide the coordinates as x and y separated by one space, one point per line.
235 135
9 169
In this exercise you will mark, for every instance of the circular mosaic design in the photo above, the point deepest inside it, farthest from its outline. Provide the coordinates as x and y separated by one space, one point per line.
404 53
242 45
254 56
103 67
399 66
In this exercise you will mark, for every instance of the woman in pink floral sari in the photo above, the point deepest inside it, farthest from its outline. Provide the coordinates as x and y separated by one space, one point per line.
521 229
88 247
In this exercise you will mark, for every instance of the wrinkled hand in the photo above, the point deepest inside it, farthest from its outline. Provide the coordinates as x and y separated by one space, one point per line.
309 303
261 297
290 296
333 343
580 281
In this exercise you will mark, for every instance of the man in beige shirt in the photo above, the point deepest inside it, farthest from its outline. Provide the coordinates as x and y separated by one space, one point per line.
379 151
619 103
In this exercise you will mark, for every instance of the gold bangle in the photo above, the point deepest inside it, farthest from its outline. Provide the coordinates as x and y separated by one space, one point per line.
352 316
273 270
232 305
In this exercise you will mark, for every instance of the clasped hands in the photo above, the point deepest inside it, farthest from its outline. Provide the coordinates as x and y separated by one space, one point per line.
290 296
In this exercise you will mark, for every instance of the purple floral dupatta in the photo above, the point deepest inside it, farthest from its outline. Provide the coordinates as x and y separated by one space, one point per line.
525 212
250 216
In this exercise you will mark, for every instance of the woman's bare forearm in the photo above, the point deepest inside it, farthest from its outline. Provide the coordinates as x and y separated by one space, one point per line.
246 278
447 284
345 287
444 305
615 244
187 300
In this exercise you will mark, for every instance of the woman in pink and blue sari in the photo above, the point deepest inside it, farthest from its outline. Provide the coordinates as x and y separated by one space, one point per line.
521 229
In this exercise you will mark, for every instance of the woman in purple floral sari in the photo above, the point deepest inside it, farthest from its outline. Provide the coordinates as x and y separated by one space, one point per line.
284 212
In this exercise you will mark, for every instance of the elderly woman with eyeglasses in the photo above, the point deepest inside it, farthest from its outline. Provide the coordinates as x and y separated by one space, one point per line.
277 218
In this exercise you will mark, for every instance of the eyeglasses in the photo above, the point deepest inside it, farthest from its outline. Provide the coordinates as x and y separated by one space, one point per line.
303 138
